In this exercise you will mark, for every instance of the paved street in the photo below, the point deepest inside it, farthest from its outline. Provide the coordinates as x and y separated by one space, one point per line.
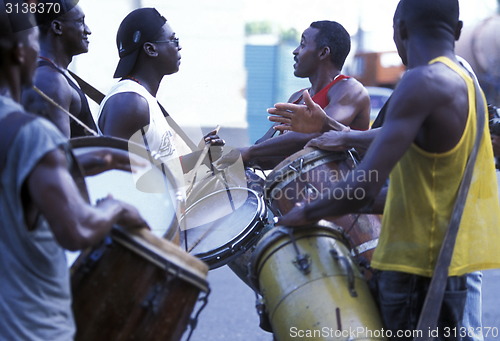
230 313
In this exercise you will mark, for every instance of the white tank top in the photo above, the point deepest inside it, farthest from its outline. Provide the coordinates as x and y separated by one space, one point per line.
159 136
160 139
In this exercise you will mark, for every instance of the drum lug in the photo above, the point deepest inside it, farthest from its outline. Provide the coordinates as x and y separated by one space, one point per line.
350 273
155 297
303 263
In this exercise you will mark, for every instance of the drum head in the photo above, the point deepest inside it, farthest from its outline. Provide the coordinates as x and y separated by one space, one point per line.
218 225
149 188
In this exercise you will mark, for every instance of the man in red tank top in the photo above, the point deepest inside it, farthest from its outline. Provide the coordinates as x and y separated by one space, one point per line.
320 57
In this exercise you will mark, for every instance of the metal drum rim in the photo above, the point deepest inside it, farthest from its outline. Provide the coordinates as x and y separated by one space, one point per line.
286 174
245 235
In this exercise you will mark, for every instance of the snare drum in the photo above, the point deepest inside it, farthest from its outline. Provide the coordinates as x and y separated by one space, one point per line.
309 281
311 174
149 188
135 286
222 225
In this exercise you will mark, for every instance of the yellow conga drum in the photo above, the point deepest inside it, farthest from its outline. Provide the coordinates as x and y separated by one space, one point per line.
312 288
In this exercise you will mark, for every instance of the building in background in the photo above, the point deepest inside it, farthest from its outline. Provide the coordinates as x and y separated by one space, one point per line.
270 79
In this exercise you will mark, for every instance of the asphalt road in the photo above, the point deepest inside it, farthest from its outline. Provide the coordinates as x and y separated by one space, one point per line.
231 315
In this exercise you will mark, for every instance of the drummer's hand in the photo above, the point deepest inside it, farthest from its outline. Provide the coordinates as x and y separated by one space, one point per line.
129 216
230 158
332 140
101 160
308 118
213 139
296 216
216 144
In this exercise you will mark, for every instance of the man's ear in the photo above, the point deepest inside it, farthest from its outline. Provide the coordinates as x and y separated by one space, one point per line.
150 49
324 53
458 29
18 53
56 27
403 31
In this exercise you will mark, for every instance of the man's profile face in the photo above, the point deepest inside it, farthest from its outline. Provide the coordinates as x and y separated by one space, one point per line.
168 50
75 31
306 55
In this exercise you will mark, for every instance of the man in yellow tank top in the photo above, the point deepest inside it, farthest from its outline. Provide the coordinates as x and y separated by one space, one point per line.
424 144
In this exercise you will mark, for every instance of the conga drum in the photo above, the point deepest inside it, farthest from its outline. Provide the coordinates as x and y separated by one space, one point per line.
311 174
135 286
311 286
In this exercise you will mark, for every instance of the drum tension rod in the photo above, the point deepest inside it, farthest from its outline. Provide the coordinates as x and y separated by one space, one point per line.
158 293
350 273
193 321
302 261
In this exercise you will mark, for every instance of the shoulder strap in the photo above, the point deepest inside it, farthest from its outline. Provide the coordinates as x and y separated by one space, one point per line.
9 127
433 300
88 89
178 129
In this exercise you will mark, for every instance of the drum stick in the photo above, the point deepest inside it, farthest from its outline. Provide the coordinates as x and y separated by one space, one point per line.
54 103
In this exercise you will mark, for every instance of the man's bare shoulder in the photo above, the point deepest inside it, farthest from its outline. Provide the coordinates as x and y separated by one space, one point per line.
437 83
130 102
348 89
52 82
123 114
296 95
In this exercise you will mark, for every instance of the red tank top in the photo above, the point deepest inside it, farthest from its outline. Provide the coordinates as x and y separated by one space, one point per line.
321 97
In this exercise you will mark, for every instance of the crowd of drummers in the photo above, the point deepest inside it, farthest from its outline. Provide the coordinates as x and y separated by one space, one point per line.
405 210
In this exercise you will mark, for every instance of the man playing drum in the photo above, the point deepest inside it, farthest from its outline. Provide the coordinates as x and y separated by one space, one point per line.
41 207
63 35
426 138
149 50
320 57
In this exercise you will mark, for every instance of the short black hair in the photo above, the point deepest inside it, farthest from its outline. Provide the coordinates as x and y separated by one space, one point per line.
45 18
335 36
13 26
430 14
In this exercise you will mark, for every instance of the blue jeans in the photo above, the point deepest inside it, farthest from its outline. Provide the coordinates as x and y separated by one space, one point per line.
401 297
473 309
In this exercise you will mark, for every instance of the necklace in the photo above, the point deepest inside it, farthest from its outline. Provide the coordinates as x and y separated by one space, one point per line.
133 79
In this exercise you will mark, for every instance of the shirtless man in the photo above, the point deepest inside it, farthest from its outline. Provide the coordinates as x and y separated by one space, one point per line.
62 36
320 57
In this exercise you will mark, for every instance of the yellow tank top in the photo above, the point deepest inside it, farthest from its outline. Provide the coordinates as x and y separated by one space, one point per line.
422 191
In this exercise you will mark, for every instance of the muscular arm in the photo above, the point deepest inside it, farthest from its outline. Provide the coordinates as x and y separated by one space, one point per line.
271 152
123 115
349 105
75 223
407 118
54 85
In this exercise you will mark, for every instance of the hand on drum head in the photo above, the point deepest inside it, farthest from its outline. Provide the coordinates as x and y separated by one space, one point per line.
308 118
296 216
99 161
332 141
129 217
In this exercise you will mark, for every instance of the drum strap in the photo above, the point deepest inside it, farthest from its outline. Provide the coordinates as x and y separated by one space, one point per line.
97 96
433 300
9 127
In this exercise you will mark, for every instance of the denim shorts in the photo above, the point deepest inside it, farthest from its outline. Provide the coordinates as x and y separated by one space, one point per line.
401 296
